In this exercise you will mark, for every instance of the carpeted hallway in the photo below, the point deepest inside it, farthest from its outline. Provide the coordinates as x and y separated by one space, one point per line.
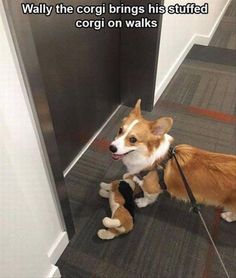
167 241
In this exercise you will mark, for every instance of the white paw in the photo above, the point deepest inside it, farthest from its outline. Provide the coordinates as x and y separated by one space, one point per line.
103 193
141 202
111 223
228 216
105 234
105 186
138 181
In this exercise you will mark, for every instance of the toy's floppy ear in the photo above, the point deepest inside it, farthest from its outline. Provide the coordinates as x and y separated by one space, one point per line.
161 126
137 108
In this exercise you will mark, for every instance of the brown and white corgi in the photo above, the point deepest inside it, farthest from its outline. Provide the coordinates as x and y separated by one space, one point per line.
141 144
121 199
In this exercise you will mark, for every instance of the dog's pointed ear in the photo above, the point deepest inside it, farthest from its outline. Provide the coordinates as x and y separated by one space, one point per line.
137 108
161 126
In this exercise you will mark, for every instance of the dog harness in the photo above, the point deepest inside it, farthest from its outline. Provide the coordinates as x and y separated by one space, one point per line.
159 169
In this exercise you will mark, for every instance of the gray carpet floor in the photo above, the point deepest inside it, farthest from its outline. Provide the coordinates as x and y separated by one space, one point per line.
167 240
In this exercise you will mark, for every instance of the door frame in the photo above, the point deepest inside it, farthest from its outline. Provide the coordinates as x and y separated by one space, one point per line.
27 57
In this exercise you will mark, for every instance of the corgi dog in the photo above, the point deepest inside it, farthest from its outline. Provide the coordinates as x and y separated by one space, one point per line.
120 195
141 144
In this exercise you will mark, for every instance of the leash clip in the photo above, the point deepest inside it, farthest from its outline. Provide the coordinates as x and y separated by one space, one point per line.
194 208
174 150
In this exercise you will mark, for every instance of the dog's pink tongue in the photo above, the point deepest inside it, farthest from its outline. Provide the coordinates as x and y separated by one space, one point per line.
117 156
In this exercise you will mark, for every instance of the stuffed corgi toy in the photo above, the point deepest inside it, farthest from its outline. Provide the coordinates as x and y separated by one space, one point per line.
121 199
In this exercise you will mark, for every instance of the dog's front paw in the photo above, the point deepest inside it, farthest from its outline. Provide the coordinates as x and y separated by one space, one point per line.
141 202
228 216
105 234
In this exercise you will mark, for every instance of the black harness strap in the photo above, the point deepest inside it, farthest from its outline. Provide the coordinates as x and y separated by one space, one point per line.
159 169
142 174
160 173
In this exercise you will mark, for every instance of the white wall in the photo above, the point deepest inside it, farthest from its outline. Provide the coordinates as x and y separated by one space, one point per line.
31 230
179 33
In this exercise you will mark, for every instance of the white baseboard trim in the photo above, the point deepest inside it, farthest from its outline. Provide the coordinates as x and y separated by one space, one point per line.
71 165
163 84
196 39
215 26
54 272
58 247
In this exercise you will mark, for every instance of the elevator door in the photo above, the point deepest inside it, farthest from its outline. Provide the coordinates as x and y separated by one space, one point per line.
80 72
80 69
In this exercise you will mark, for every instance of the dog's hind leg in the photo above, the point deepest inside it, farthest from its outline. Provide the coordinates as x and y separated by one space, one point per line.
228 216
229 213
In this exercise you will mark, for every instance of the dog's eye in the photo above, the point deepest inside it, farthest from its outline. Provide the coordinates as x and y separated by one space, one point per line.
120 130
132 140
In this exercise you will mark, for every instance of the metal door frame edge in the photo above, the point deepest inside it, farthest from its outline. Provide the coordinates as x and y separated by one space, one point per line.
42 118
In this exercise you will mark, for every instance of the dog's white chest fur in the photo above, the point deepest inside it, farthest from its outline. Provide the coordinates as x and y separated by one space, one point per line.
138 161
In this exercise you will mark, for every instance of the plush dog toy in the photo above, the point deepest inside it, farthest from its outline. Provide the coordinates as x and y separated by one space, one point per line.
121 199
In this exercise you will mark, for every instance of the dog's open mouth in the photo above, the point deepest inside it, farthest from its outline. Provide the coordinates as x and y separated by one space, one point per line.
120 156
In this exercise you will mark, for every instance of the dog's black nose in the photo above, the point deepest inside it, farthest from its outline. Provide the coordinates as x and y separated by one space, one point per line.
113 148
